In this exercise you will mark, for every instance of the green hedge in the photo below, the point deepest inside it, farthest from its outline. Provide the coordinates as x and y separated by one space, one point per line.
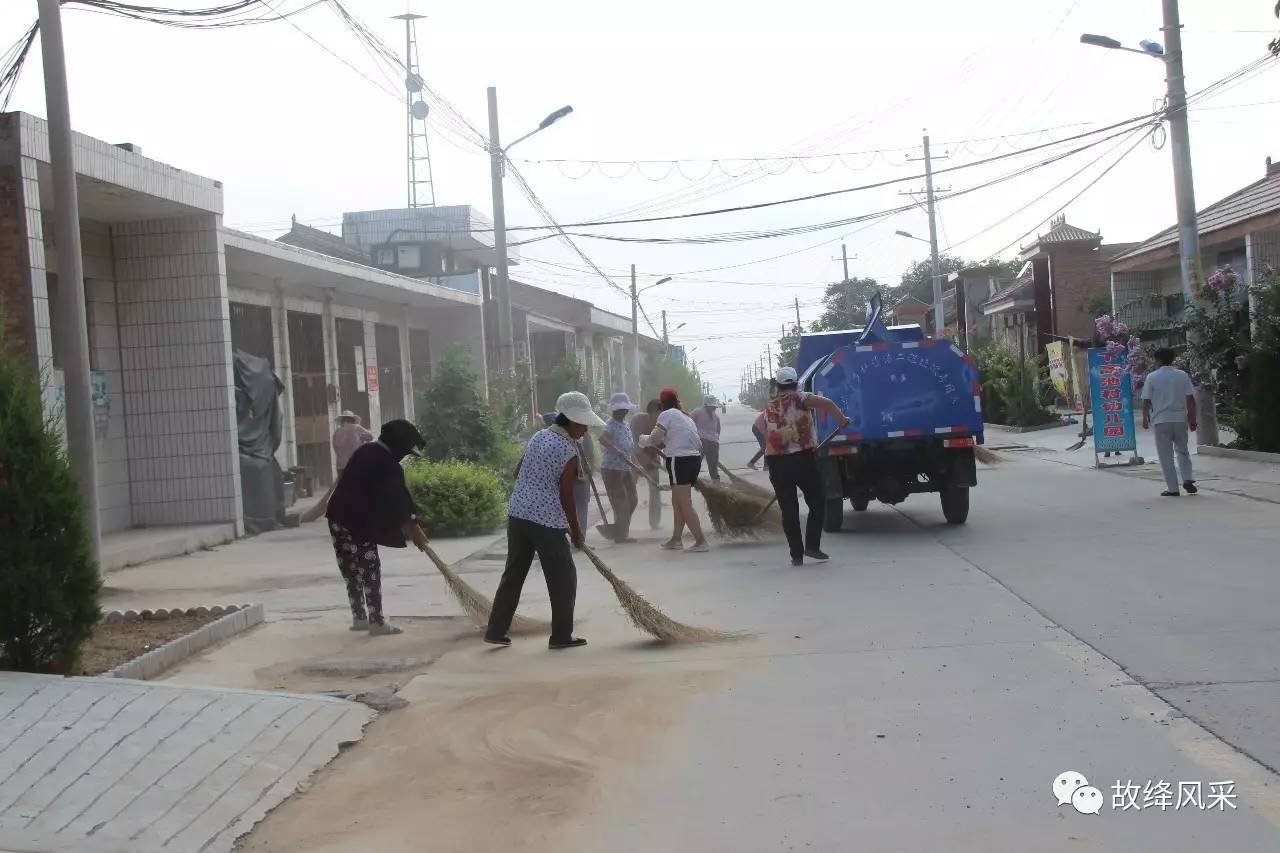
457 498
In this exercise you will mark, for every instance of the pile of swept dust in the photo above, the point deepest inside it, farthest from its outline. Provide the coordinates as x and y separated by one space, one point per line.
517 768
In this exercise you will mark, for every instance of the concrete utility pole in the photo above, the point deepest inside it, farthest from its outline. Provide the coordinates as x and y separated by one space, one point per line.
665 340
844 258
635 334
502 286
74 352
799 325
939 313
1185 195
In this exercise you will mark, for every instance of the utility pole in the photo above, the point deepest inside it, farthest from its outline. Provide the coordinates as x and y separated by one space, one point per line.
635 334
1185 195
74 352
665 340
799 325
939 315
844 257
502 286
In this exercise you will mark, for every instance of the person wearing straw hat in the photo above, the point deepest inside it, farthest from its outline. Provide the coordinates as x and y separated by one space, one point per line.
542 519
371 506
676 435
616 466
790 453
347 438
708 422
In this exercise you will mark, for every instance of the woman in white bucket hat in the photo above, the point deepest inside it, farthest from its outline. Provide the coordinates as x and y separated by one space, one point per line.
617 467
542 519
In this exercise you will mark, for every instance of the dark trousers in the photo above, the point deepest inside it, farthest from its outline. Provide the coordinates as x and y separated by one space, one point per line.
711 451
760 441
789 472
621 488
362 570
524 539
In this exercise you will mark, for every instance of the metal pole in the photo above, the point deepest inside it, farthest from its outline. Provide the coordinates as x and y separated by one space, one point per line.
74 352
506 346
411 172
1185 195
939 314
635 334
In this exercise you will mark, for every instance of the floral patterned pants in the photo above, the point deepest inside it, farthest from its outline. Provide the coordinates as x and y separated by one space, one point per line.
362 570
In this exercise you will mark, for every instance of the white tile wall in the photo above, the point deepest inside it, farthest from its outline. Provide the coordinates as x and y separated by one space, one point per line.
175 352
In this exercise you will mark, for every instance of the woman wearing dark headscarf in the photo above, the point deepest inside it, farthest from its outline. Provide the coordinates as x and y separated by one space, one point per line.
371 506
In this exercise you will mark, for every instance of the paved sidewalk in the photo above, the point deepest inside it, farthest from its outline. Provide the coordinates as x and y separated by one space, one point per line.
99 765
1244 478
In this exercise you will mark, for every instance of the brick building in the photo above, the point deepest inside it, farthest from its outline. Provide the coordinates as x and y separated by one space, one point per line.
1063 287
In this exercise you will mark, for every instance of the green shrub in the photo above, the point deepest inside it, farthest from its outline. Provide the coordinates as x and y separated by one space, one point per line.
48 581
1017 393
457 498
454 418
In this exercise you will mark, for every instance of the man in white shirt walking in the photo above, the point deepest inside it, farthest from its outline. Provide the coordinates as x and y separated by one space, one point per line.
1169 405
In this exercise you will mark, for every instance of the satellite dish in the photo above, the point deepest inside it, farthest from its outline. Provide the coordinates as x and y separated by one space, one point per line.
419 110
413 83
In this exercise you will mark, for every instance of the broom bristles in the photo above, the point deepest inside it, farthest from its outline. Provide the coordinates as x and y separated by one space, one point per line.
650 619
986 457
477 606
739 511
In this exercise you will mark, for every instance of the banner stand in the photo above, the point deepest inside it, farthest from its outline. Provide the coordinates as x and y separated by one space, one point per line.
1111 399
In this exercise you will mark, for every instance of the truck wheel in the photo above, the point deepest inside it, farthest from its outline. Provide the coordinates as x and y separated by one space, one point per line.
860 504
955 504
833 518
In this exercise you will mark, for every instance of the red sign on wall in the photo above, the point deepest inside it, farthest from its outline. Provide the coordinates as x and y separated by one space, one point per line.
371 378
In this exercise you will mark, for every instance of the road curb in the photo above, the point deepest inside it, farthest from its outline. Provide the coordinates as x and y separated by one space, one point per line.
1233 453
156 661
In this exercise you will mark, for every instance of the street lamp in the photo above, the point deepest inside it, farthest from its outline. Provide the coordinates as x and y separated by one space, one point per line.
497 158
939 319
1183 188
635 326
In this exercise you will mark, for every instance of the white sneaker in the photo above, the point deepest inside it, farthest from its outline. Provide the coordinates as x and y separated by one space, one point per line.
384 629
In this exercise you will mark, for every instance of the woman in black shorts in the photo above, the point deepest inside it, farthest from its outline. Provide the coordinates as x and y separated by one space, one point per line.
677 435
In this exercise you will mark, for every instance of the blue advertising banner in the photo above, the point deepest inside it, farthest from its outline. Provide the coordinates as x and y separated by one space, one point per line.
1111 393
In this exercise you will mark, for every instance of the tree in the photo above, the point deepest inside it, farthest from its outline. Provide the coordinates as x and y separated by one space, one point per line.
788 346
50 583
665 372
846 303
453 417
917 279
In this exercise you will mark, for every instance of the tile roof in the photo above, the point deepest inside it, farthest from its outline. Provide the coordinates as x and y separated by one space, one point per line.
1021 287
306 237
1257 199
1063 232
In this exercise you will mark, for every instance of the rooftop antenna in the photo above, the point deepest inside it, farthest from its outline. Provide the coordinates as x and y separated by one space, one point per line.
421 190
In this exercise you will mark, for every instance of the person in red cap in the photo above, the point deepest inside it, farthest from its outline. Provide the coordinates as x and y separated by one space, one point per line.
676 435
371 506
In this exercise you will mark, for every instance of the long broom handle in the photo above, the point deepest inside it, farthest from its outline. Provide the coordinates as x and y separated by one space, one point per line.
774 499
599 502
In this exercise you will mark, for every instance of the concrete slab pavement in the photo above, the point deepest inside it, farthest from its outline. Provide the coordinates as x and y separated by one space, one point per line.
909 695
99 765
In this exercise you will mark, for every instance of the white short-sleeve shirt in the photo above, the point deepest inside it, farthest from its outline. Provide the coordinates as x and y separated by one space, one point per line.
1168 388
682 434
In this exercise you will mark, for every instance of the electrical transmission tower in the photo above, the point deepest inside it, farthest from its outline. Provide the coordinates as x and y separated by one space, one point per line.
420 184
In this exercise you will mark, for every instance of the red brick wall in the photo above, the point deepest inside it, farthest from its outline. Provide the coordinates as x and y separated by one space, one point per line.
1078 275
15 280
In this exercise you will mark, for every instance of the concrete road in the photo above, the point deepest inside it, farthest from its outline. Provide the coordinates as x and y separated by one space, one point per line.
919 692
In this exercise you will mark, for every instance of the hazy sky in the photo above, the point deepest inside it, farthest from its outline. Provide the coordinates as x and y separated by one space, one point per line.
289 129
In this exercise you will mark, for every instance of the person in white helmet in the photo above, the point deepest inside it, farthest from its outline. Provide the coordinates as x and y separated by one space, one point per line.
790 453
543 519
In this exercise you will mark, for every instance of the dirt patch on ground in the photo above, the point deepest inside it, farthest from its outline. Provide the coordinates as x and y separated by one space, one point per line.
115 643
515 769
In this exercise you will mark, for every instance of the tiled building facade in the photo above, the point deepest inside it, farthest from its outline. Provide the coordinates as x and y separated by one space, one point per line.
168 290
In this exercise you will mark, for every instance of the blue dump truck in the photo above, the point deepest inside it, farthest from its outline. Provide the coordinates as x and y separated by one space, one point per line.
915 410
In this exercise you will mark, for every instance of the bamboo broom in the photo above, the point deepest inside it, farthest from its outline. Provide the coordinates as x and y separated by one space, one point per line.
476 605
650 619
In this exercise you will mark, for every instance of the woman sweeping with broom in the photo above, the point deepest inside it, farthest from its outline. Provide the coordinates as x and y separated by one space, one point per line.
790 453
676 435
543 519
